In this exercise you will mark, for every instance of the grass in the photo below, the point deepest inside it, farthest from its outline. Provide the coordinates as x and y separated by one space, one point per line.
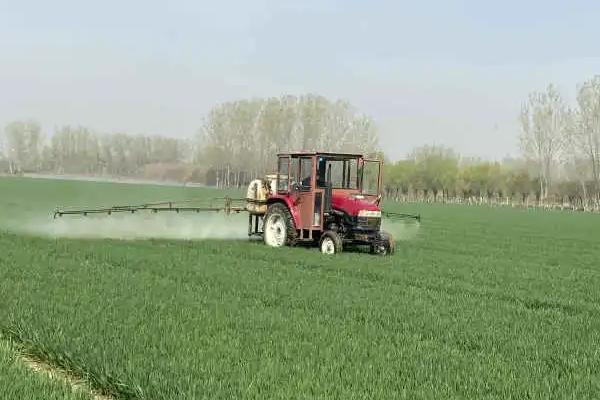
18 382
483 303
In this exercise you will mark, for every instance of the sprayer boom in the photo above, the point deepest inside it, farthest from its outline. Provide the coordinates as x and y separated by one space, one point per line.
228 206
400 216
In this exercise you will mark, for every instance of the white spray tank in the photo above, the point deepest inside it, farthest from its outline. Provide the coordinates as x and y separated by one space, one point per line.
256 197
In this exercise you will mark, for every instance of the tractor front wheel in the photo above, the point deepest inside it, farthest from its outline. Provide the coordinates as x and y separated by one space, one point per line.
279 229
330 243
385 246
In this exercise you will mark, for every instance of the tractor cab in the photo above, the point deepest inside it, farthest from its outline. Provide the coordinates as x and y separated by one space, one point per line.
348 172
329 197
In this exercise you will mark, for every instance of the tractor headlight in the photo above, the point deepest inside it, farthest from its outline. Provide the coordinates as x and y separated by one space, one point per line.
369 214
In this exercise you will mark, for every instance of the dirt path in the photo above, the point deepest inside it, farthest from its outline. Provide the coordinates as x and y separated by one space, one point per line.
52 372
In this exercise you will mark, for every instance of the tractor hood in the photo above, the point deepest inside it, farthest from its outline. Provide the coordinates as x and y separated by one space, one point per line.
352 203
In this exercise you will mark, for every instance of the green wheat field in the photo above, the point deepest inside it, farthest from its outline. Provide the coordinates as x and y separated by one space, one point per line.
478 303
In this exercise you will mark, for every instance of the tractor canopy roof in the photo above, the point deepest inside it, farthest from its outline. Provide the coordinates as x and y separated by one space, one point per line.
320 153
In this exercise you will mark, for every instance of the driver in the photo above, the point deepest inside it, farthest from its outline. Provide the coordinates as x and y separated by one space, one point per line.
321 172
306 182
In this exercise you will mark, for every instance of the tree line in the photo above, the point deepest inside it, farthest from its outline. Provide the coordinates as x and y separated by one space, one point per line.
438 174
79 150
559 164
237 141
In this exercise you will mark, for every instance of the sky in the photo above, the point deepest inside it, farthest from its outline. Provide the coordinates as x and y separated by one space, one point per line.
451 73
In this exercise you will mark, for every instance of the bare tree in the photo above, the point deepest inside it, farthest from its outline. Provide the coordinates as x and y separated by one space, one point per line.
586 135
23 145
241 137
544 123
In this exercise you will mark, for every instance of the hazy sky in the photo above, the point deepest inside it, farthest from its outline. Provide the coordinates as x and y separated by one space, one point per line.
443 72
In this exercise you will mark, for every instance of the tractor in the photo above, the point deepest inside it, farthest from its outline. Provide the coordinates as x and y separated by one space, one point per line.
315 198
329 199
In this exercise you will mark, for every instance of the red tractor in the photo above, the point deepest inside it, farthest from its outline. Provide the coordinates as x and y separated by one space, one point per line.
327 198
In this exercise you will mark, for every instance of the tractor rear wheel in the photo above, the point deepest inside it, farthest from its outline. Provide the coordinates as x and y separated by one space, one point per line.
279 228
330 243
